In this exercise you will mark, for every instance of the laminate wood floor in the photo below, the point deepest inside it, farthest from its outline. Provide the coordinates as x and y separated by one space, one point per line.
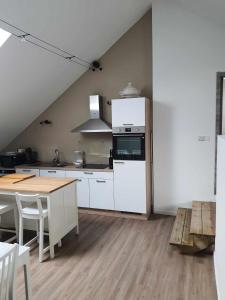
120 259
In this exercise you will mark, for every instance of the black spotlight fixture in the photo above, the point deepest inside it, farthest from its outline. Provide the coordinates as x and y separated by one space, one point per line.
95 65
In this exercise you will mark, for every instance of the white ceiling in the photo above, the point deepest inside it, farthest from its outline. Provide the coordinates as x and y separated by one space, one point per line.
30 78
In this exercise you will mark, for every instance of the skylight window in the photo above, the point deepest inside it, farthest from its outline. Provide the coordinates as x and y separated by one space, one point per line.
4 35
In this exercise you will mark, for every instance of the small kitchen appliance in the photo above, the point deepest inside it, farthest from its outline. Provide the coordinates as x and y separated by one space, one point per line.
79 158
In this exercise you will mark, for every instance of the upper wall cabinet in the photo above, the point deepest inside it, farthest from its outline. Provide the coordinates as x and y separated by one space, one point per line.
128 112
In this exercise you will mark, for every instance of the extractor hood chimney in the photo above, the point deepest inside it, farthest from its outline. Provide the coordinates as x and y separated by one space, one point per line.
95 123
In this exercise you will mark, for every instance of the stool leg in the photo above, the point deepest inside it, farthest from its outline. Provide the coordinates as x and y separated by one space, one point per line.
16 223
37 231
41 239
21 231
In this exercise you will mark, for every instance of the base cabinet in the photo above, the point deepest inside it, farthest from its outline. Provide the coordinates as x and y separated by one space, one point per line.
130 186
94 189
101 194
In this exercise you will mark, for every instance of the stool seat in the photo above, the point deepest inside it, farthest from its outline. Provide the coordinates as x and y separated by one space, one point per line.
32 211
7 206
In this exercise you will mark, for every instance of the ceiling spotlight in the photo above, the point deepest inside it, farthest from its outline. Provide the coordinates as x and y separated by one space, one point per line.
95 65
23 37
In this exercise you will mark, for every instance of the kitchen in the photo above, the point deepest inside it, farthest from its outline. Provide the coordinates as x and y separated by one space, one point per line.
79 186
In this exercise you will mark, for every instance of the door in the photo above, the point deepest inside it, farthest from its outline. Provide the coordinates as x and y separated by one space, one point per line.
130 186
101 194
128 112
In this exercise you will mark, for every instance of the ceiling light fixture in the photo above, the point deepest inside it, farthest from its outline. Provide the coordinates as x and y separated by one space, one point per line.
4 35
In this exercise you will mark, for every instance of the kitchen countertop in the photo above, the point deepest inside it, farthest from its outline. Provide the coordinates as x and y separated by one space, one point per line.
43 185
67 167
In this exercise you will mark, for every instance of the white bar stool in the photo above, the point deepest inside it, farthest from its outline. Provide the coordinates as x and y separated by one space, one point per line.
33 210
8 257
6 206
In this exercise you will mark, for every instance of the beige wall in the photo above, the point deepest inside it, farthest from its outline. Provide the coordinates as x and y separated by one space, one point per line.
129 59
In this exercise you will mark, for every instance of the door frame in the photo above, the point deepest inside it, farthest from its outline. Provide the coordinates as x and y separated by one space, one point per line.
219 114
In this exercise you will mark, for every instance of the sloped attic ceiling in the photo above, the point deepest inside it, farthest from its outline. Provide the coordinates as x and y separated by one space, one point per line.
30 78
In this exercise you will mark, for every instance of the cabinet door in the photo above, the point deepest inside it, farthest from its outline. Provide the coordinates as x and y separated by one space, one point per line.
82 188
128 112
101 194
28 171
130 186
83 192
53 173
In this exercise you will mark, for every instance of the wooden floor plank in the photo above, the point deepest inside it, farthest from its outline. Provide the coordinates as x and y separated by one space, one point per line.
187 238
196 219
178 227
120 259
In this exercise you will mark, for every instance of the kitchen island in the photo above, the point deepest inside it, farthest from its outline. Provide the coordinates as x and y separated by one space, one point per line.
60 194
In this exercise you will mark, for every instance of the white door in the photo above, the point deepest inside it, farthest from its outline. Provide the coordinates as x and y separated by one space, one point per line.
53 173
130 186
128 112
101 194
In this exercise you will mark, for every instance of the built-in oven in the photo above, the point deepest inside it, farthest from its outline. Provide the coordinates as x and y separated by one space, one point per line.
129 143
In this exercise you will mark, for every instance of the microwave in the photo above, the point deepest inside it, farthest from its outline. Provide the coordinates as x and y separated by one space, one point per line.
128 143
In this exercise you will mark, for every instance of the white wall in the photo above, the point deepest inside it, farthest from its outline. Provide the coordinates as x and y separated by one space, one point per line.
188 50
219 255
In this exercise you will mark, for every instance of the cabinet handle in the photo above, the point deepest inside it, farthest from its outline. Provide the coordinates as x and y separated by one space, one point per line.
26 171
51 171
100 181
79 180
119 162
88 173
127 124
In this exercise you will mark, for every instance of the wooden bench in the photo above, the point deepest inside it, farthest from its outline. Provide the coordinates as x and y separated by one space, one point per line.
194 229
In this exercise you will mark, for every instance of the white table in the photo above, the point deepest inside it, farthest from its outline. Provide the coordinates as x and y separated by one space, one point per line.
22 260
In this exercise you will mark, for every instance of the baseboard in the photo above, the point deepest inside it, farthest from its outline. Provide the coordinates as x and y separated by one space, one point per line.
216 277
165 212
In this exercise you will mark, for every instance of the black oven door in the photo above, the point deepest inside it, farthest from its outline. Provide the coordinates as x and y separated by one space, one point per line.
129 146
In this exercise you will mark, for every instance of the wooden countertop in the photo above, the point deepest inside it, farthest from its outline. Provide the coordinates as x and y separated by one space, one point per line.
67 167
30 184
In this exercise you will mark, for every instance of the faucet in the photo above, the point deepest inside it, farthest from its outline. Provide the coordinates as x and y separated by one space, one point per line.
56 159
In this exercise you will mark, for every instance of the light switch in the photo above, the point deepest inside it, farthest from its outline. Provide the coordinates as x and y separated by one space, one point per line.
204 138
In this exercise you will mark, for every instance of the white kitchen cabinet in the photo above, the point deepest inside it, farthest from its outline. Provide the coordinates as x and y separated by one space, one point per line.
94 189
28 171
128 112
83 192
53 173
101 194
130 186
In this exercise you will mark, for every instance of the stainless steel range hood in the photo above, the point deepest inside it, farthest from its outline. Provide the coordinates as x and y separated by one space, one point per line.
95 123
